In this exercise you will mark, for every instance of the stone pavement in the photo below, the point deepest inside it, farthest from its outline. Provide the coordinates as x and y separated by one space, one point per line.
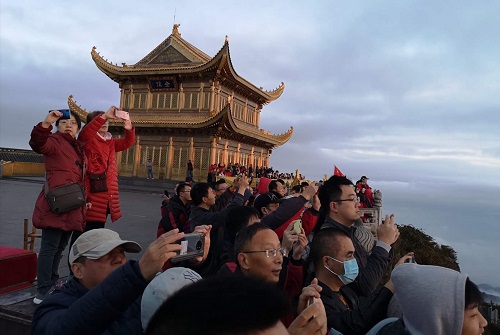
140 201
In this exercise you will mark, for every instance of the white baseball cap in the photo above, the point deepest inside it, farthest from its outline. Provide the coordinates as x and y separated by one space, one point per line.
96 243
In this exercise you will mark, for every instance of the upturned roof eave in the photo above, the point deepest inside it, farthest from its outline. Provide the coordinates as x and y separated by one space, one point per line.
218 62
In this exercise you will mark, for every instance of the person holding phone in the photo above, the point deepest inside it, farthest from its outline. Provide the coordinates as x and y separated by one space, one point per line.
101 173
64 162
103 296
332 252
340 206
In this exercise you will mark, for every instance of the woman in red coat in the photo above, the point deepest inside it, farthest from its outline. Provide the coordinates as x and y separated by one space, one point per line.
100 151
63 165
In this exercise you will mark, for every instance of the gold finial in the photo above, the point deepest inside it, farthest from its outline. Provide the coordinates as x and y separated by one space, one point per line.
175 29
227 39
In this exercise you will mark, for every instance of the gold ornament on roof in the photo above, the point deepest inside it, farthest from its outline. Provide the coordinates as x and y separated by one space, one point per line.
175 29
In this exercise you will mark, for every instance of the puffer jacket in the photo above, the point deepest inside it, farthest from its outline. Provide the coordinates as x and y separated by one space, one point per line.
64 162
101 157
112 307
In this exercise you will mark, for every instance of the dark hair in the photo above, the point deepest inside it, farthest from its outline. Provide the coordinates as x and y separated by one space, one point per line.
244 236
473 297
199 191
273 185
93 115
297 189
324 243
223 305
220 181
181 187
237 219
77 118
331 191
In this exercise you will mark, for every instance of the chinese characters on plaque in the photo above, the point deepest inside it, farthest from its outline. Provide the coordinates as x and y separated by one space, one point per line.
163 84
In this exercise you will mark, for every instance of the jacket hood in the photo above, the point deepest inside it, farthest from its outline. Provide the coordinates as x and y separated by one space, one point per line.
432 298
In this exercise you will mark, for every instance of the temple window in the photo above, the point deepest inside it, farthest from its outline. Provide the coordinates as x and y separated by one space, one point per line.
164 100
140 100
206 100
191 100
126 99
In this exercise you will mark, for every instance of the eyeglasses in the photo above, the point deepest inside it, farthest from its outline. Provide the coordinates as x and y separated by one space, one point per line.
355 200
273 252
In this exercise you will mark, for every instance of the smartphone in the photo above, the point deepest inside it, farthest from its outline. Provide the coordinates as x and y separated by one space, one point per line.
65 113
297 226
121 114
166 193
192 247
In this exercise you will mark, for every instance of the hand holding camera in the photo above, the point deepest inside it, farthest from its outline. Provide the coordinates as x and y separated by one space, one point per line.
121 114
110 114
55 115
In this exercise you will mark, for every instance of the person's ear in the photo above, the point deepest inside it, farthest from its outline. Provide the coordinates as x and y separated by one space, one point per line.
333 206
264 210
243 261
77 270
324 261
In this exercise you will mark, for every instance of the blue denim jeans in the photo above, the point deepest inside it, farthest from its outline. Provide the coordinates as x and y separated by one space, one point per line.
54 241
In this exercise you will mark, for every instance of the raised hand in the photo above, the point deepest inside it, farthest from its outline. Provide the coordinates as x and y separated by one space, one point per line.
52 117
388 232
310 190
159 252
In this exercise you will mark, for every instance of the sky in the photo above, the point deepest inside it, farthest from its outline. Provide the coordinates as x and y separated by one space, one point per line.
404 92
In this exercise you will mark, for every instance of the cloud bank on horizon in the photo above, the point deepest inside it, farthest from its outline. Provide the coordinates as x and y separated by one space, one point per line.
404 92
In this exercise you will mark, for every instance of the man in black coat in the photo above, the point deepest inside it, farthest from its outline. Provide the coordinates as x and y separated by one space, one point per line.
340 202
333 256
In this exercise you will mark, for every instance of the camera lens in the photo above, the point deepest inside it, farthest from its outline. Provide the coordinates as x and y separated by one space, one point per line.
198 245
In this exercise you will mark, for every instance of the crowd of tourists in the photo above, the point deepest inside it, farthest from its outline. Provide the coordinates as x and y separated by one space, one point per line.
229 259
237 169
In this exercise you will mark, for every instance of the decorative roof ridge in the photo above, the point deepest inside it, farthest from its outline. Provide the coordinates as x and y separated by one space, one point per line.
185 44
104 64
277 92
205 57
82 113
279 138
271 95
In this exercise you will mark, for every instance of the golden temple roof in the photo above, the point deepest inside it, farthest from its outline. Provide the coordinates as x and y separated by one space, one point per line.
176 56
222 120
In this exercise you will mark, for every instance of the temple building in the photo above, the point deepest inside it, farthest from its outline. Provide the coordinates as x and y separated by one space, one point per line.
187 105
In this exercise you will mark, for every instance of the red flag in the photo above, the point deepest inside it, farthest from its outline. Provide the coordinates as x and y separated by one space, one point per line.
337 172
